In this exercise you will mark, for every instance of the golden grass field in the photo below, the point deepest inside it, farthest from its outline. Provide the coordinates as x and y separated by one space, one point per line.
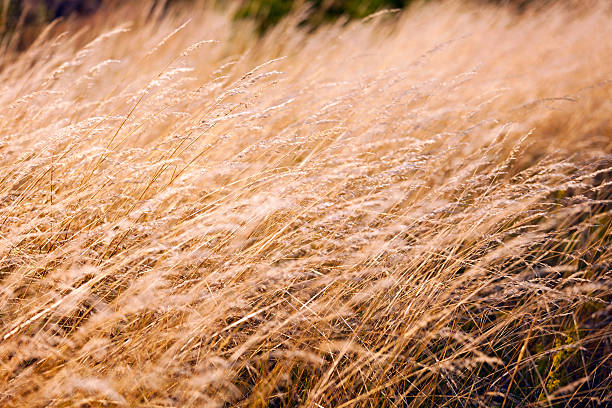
409 210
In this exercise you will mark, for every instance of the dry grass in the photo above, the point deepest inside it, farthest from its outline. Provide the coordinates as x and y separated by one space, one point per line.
412 210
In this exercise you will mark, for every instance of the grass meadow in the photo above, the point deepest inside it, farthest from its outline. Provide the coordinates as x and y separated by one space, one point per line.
409 210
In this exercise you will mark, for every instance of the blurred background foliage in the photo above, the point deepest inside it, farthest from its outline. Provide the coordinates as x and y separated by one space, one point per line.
265 12
269 12
28 16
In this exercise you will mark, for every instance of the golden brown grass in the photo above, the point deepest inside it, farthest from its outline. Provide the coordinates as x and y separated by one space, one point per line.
412 210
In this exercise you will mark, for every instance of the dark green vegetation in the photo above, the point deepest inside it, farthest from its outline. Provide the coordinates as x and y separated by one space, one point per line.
269 12
29 16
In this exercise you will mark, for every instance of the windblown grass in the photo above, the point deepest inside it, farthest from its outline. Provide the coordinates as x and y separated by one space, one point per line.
412 210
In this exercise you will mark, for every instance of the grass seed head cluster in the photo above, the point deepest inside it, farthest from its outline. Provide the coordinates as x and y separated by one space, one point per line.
411 210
